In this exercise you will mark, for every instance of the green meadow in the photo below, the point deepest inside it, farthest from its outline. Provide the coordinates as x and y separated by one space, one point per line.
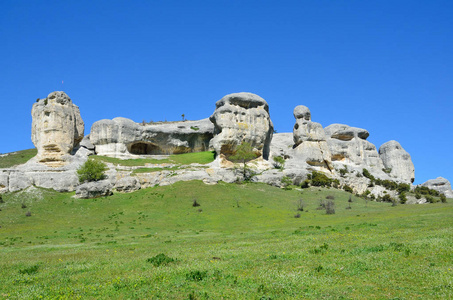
243 241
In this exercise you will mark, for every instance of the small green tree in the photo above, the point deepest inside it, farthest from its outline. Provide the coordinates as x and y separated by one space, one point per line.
443 198
244 153
279 162
91 170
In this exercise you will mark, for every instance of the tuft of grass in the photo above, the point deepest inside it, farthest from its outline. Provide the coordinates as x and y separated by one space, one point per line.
17 158
30 270
160 259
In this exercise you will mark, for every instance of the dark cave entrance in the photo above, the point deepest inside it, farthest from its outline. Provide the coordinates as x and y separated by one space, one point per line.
142 148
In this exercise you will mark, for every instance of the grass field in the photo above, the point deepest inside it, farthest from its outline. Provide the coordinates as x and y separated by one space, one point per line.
242 242
17 158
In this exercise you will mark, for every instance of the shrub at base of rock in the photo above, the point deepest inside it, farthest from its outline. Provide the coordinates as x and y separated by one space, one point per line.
94 189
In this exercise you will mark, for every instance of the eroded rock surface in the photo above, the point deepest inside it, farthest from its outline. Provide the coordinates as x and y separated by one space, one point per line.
348 145
397 161
123 137
242 117
57 128
94 189
441 185
310 139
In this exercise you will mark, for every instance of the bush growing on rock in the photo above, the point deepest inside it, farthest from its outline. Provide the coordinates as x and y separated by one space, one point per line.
279 162
402 197
347 188
319 179
91 170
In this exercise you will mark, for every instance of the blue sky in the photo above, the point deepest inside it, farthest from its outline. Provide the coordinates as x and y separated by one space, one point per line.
386 66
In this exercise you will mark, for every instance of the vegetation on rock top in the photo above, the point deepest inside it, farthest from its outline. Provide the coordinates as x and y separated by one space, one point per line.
17 158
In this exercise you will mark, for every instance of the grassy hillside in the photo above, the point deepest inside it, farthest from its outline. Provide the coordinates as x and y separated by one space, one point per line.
242 242
16 158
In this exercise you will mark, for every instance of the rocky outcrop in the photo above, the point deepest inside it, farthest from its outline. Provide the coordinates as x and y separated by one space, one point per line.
94 189
441 185
241 117
57 128
123 137
397 162
310 139
348 145
127 184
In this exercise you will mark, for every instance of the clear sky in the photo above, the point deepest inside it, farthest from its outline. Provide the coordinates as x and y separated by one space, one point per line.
386 66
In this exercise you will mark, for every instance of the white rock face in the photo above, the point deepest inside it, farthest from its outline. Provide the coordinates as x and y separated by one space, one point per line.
349 146
396 159
57 128
241 117
123 137
94 189
310 139
441 185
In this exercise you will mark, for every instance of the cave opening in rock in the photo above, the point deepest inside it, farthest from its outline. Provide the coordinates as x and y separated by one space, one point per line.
142 148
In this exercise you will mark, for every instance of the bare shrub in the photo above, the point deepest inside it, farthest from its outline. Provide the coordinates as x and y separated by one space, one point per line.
330 207
195 203
300 205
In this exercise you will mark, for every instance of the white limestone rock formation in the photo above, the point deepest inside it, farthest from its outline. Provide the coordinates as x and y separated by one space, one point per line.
348 146
94 189
397 161
57 128
441 185
127 184
241 117
310 139
123 137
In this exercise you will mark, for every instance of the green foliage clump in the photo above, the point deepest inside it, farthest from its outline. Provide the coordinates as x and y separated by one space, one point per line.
286 182
403 187
196 275
368 175
344 171
320 179
30 270
387 198
160 259
423 190
347 188
387 170
402 197
92 170
279 162
431 199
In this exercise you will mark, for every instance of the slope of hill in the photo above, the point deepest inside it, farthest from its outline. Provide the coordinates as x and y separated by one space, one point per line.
243 242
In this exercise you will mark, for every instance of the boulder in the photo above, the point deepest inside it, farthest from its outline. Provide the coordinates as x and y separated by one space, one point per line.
127 184
123 137
441 185
397 161
348 145
241 117
94 189
310 139
57 128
